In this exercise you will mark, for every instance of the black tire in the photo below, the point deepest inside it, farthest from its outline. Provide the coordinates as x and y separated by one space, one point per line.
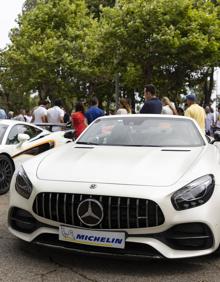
6 172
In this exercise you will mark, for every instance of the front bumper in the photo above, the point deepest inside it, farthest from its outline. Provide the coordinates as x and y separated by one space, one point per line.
183 234
181 240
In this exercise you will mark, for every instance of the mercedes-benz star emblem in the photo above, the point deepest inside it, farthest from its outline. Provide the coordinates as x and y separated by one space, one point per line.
90 212
92 186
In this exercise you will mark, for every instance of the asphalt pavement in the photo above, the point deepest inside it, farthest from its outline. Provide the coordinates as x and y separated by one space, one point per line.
21 261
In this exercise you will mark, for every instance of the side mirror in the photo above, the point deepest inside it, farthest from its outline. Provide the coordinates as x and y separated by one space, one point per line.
70 134
216 137
22 138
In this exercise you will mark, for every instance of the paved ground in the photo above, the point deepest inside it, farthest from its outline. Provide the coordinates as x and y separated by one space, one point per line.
24 262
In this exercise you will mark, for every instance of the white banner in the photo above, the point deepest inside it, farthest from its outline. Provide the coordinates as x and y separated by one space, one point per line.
92 237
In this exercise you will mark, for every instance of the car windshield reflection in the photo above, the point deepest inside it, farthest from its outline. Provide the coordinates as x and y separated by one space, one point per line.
142 132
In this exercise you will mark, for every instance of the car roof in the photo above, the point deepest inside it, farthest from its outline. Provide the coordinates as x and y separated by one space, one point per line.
13 122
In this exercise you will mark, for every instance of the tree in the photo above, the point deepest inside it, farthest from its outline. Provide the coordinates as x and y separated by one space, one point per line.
75 48
47 49
167 40
29 5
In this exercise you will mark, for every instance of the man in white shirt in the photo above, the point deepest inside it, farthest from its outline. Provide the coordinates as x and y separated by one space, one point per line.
40 113
55 114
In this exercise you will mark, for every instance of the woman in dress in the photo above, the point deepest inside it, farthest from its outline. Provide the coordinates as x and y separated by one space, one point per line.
79 122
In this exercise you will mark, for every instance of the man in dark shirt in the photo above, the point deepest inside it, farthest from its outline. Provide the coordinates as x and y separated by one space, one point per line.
94 111
152 104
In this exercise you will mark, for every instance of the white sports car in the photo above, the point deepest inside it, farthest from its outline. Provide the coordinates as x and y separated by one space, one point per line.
136 185
20 141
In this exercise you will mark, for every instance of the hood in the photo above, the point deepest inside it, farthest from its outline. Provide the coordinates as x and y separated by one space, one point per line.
152 166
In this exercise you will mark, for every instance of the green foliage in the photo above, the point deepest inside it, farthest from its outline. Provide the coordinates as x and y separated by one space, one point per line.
47 49
168 40
74 48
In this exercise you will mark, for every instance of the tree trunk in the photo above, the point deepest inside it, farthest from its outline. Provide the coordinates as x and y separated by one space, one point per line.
148 73
208 86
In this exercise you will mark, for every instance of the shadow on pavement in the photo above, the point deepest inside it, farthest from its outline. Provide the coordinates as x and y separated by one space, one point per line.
102 265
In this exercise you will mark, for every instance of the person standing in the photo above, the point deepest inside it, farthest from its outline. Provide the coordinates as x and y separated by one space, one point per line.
94 111
79 122
21 115
10 115
39 114
124 107
217 119
195 111
55 115
209 121
168 107
152 103
3 114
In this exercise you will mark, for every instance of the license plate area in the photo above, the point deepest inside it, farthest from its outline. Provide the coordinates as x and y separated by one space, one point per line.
92 237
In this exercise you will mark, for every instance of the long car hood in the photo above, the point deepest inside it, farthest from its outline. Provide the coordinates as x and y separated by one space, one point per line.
122 165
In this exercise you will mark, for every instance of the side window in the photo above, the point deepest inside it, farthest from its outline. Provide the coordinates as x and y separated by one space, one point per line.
13 135
2 132
20 128
31 131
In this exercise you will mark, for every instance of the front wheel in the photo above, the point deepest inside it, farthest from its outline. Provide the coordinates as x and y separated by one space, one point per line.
6 172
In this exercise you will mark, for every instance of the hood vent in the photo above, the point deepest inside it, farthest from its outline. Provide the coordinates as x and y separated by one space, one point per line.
176 150
82 147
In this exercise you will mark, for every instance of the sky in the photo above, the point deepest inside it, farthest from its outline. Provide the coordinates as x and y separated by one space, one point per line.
9 10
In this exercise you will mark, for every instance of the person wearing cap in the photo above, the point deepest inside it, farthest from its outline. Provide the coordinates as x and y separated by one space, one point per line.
195 111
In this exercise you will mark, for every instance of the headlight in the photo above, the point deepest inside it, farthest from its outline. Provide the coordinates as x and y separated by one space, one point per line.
22 184
194 194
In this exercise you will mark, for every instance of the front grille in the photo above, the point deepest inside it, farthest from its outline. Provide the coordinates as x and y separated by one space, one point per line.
119 212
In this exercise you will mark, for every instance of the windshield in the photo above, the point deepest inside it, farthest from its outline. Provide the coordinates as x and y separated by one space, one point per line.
3 128
143 131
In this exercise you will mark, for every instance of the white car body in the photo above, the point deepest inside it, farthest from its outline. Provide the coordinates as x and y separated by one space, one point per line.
130 189
13 152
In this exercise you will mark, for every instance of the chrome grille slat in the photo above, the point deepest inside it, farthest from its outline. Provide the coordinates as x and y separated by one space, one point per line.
64 207
57 207
50 202
109 212
128 214
100 200
137 213
80 199
43 204
156 214
119 212
72 210
147 221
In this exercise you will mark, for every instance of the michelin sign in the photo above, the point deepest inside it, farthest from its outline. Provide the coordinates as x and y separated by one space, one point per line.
92 237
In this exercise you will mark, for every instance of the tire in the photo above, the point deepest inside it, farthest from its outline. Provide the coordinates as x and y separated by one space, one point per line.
6 172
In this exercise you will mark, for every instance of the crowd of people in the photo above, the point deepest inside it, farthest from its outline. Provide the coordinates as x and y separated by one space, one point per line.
204 117
81 118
